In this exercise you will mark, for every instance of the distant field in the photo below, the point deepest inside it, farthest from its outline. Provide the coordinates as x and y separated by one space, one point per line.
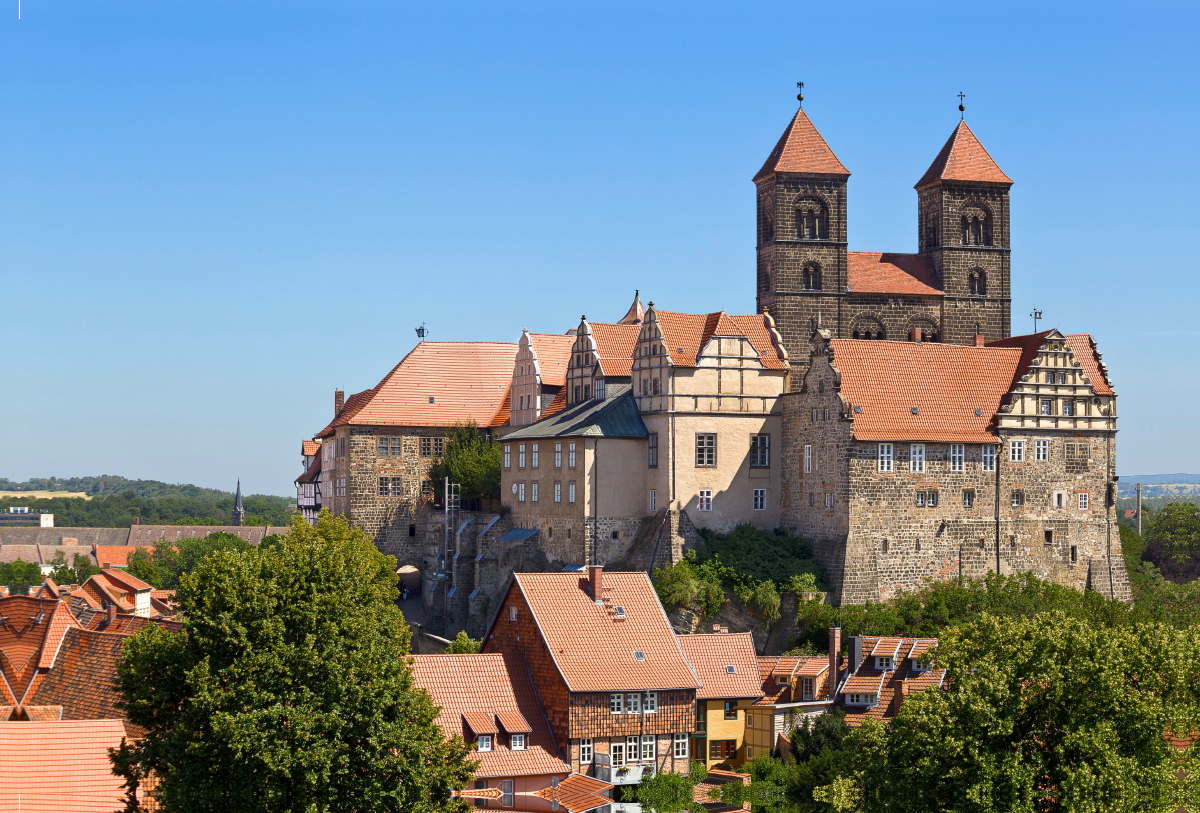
41 495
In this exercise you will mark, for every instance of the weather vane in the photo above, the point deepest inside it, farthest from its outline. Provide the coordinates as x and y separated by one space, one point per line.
1036 314
421 331
961 107
800 95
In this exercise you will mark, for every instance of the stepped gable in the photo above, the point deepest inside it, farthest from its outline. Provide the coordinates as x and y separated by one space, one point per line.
1083 346
61 766
871 272
1029 345
685 336
802 149
963 158
490 693
725 663
924 391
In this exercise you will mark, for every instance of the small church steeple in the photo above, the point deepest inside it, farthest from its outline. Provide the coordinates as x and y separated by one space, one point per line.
239 513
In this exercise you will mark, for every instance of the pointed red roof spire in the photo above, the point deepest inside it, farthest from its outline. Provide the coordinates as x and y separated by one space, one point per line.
963 159
802 149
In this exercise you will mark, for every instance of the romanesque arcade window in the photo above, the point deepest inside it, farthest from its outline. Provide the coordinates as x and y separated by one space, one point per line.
812 220
812 277
977 283
976 228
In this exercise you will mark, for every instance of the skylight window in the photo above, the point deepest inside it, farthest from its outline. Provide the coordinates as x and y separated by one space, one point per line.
730 670
858 410
916 411
978 413
638 655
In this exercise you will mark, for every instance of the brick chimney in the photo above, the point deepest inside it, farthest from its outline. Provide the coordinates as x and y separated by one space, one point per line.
339 401
596 580
835 647
112 613
916 335
979 341
105 565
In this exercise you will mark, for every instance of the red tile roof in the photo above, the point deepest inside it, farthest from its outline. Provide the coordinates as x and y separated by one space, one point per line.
578 793
1083 346
963 158
1029 345
489 684
686 334
711 656
118 555
480 722
890 686
802 149
557 405
60 766
465 380
512 721
59 622
21 638
312 473
350 408
636 313
944 383
553 353
581 634
614 341
308 448
81 680
871 272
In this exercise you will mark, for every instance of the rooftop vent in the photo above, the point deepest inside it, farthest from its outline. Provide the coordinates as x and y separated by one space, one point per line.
638 655
858 410
620 613
431 399
731 670
916 411
978 413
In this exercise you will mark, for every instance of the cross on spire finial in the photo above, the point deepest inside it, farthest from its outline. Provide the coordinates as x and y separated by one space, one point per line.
961 108
800 95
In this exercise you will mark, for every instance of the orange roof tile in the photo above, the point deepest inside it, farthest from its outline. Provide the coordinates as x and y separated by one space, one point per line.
578 793
490 684
481 722
312 473
81 680
580 633
553 353
118 555
785 667
57 625
813 667
944 384
557 405
636 313
614 341
1029 345
308 448
963 158
350 408
872 272
512 721
61 766
1083 346
712 656
773 691
686 334
22 634
802 149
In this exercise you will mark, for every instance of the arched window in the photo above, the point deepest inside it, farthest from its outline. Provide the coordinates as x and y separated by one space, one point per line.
977 283
933 239
812 220
976 228
812 277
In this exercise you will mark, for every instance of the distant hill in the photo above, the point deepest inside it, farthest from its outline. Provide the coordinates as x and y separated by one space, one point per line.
1159 485
107 484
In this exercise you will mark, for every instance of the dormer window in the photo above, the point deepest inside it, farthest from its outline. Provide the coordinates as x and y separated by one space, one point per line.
917 666
860 699
781 680
808 689
518 742
485 742
885 663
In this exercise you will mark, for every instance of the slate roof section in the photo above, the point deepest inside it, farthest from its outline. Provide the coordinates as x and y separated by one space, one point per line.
711 656
593 650
490 684
963 158
944 383
84 537
802 149
872 272
685 335
553 352
61 767
616 416
147 535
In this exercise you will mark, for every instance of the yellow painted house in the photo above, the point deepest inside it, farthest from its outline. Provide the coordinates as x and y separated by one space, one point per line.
727 668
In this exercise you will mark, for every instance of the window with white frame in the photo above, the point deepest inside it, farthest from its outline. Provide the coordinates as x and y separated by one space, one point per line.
571 455
829 499
517 742
806 688
1016 451
760 451
617 751
1018 498
585 750
485 742
987 454
651 704
705 499
616 704
533 491
958 454
652 450
1083 500
520 455
1047 406
633 704
558 455
1041 450
885 663
507 456
859 699
571 492
681 746
558 491
916 458
533 456
521 491
647 748
506 792
631 749
706 449
1068 409
512 613
885 457
760 499
931 499
807 458
920 499
653 500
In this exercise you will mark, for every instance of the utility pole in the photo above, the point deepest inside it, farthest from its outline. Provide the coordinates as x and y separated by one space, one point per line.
1139 509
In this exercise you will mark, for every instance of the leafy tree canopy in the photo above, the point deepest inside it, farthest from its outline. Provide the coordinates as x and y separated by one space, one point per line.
124 509
668 792
19 576
463 644
80 570
288 687
472 459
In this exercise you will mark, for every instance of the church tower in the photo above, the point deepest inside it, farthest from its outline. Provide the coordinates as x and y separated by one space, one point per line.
963 225
801 237
239 513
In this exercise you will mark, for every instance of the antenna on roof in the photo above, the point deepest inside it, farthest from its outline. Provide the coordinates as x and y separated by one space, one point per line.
421 331
1036 314
800 95
962 111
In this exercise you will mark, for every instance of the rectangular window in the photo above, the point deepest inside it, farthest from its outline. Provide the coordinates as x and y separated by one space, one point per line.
706 450
616 703
652 450
958 454
558 455
647 748
730 709
520 455
506 792
426 447
631 749
571 493
518 742
533 491
722 749
807 458
396 444
705 500
968 499
521 491
1083 501
1046 409
485 742
681 746
1016 451
827 415
383 447
1069 409
533 456
1074 555
987 454
1018 498
885 457
571 455
617 749
439 447
814 416
885 663
1041 450
481 784
558 491
512 613
585 750
760 451
507 456
920 499
916 458
653 500
931 499
1060 499
391 486
807 688
829 500
651 704
812 499
633 704
760 499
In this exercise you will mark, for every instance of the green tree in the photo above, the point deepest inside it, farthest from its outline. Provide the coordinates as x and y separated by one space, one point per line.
18 576
78 572
669 792
472 459
814 736
173 559
141 566
1175 529
288 688
463 644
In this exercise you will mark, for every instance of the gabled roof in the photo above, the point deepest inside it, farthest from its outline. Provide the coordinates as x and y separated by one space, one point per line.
312 473
308 448
908 391
616 416
890 686
712 657
147 535
61 766
488 688
592 647
437 384
1083 346
870 272
614 341
118 555
81 680
963 158
553 353
685 335
802 149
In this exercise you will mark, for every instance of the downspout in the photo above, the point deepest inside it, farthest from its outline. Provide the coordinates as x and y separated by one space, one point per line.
996 503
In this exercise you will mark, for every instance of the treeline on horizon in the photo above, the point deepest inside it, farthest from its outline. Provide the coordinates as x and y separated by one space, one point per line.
109 484
125 509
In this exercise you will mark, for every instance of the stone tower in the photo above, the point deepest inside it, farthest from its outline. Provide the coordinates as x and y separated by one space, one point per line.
239 513
963 224
801 235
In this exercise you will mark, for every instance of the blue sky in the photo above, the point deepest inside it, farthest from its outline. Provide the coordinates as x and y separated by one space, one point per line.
214 214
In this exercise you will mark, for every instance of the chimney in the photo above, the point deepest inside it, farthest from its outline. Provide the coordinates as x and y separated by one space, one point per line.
112 613
916 335
105 565
979 341
835 646
596 579
339 401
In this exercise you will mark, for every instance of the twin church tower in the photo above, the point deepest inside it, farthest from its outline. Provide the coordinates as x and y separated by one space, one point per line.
954 290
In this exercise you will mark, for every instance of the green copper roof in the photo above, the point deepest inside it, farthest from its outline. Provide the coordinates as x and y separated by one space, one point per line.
614 417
